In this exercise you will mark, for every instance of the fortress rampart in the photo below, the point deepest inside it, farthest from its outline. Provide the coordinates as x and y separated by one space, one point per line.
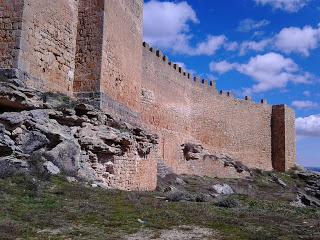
92 50
183 108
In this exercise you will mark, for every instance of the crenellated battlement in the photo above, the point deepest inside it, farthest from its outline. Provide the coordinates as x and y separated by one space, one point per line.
185 75
198 81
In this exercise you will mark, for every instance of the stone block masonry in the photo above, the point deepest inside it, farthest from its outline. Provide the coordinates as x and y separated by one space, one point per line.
10 32
183 109
43 33
109 55
89 47
92 50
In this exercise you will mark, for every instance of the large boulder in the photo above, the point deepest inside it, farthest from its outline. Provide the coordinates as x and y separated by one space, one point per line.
31 141
7 145
65 156
222 189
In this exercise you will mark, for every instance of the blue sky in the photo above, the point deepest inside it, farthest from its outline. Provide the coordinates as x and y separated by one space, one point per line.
262 48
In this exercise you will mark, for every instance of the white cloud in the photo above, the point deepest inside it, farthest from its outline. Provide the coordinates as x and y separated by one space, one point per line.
167 26
208 47
248 25
221 67
270 71
308 126
288 40
298 40
304 104
253 45
231 46
285 5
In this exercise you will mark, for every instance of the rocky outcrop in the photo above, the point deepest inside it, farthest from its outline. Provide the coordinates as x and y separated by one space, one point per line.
310 194
46 134
220 165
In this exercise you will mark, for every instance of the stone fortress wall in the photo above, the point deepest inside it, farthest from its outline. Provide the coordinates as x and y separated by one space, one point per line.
92 50
183 109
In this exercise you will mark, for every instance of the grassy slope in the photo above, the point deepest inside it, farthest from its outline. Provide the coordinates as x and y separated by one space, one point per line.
59 210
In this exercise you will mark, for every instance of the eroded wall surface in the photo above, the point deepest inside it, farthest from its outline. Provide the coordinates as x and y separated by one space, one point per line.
290 146
122 57
48 44
10 32
182 110
89 46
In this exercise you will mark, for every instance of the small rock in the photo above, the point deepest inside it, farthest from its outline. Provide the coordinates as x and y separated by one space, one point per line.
180 196
228 203
278 180
180 181
203 198
297 204
17 131
71 179
169 189
223 189
51 168
141 221
94 185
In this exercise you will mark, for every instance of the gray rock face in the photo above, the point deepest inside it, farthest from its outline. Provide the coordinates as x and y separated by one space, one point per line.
51 134
195 152
66 156
312 188
180 181
31 141
6 145
18 98
10 166
303 200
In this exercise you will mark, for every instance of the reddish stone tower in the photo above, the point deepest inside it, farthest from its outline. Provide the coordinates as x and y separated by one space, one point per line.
283 138
109 55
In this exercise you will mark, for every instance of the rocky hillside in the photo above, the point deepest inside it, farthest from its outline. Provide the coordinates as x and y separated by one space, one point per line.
264 206
47 134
